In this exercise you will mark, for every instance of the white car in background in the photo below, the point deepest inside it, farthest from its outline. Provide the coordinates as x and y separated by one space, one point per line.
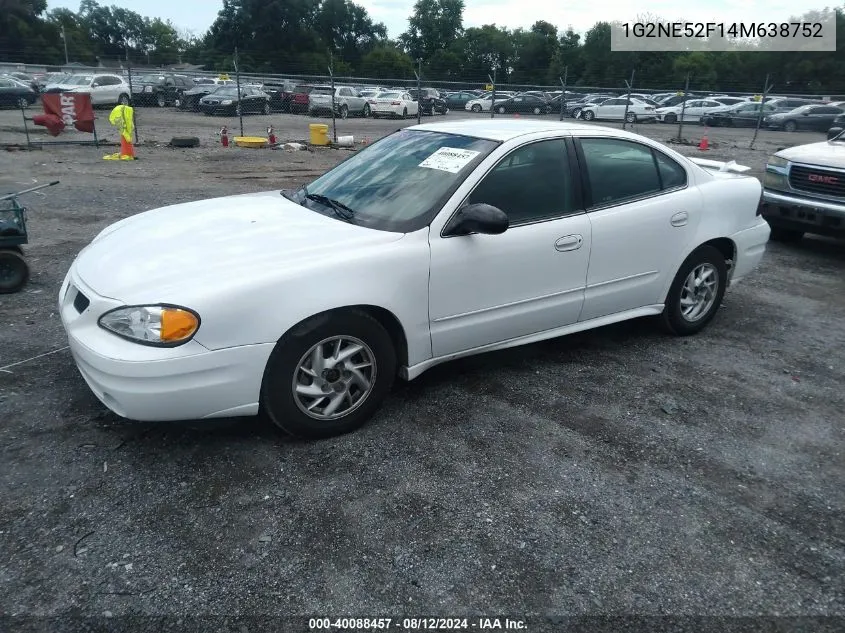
393 104
104 88
615 110
692 111
485 101
437 242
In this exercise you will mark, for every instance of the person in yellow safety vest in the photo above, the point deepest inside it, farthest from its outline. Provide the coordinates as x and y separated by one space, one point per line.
122 117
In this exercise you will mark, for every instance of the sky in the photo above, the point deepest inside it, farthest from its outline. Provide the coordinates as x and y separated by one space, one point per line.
197 15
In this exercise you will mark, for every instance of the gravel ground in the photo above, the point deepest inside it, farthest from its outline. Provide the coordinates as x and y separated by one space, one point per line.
613 472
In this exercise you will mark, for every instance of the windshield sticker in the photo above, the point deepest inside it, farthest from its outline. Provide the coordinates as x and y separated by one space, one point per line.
449 159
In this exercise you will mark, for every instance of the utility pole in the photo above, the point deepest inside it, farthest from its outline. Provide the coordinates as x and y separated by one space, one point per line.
238 83
766 90
493 94
64 39
563 94
683 108
331 81
630 86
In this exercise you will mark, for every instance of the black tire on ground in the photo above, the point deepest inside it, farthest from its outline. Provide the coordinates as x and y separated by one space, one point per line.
404 113
160 100
344 112
501 109
23 103
670 118
278 402
476 108
790 126
14 271
266 107
672 319
780 234
366 112
631 117
184 141
589 115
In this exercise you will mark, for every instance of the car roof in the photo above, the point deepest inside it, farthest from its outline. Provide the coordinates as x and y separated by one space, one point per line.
507 129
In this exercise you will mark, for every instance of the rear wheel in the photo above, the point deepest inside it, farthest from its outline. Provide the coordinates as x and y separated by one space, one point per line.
14 271
501 109
631 117
23 103
328 375
404 113
670 118
344 111
779 234
266 107
536 110
160 100
790 126
696 293
366 110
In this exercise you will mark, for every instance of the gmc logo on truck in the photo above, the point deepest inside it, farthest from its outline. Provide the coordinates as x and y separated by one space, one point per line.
828 180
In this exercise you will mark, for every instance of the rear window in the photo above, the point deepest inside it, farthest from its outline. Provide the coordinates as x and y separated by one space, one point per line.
321 91
303 88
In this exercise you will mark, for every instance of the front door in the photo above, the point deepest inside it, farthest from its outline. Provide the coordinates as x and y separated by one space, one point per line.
485 289
643 218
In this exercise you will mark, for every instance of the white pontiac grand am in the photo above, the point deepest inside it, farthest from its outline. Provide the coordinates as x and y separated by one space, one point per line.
438 241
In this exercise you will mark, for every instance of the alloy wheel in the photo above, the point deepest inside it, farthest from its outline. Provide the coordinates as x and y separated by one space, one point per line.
699 292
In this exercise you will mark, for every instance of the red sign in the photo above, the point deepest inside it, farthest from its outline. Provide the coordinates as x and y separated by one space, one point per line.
64 109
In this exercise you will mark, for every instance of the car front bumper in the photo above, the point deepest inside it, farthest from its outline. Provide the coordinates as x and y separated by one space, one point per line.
795 212
152 384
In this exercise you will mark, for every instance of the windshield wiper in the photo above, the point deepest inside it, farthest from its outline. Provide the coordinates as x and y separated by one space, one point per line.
340 209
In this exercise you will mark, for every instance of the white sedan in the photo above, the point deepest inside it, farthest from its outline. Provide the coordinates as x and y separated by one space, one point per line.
692 111
437 242
393 104
614 109
483 103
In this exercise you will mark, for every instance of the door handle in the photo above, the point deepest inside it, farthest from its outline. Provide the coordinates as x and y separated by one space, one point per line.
679 219
569 243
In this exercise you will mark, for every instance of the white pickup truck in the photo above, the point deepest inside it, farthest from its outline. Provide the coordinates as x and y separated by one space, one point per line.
804 190
346 101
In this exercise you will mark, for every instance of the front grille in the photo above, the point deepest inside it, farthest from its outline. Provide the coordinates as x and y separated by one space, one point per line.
823 182
81 302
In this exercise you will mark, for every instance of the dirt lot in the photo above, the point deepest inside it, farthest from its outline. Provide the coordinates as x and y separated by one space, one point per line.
614 472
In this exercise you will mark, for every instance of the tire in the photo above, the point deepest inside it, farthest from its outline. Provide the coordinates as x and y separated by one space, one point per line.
184 141
404 113
366 110
536 110
589 115
14 271
160 100
707 260
266 107
631 117
670 118
476 108
790 126
576 113
791 236
238 110
23 103
501 109
287 409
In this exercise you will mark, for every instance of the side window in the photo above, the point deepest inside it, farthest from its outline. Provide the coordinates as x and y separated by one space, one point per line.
672 175
827 110
530 184
619 170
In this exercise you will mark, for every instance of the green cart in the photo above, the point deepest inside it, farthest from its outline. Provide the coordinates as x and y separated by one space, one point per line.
14 271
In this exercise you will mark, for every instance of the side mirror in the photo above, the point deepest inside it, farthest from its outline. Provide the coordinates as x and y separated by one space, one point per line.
478 218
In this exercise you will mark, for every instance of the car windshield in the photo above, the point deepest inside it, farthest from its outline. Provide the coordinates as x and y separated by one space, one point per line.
79 80
227 91
400 182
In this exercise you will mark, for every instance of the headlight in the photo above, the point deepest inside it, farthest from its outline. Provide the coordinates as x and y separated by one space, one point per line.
226 102
776 161
148 88
156 325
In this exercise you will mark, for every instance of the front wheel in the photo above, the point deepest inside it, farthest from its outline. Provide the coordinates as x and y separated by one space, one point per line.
589 115
536 110
161 101
476 108
328 375
344 112
670 118
501 110
123 100
631 117
366 110
790 126
696 293
23 103
404 113
14 271
267 107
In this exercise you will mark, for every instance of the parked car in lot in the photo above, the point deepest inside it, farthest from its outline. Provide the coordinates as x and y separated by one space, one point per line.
524 103
740 115
549 245
26 78
804 190
484 101
280 93
104 88
692 110
615 110
393 104
818 118
430 100
457 100
160 89
575 107
346 101
299 98
190 99
225 100
17 94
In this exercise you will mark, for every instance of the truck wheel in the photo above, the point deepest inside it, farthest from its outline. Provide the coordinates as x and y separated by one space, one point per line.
14 271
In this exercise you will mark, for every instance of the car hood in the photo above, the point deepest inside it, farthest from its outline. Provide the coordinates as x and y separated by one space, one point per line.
209 242
825 153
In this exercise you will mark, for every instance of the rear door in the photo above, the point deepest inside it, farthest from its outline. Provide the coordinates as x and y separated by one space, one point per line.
643 216
820 118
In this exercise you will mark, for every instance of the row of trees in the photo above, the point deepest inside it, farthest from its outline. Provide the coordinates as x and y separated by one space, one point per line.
306 36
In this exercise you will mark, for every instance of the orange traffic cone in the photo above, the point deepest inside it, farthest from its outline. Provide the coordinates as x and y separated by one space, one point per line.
704 144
